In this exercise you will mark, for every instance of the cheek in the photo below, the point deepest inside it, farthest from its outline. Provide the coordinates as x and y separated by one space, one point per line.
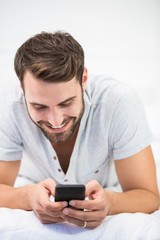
76 107
77 111
74 111
35 116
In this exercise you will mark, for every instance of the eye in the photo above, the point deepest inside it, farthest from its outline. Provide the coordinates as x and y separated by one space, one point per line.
39 107
66 104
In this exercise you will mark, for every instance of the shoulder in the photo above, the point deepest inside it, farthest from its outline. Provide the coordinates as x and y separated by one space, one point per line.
103 89
10 93
12 104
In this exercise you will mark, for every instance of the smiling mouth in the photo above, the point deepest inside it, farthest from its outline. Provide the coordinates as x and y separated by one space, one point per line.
58 127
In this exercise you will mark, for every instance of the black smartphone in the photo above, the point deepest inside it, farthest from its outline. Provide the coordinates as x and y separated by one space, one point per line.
67 192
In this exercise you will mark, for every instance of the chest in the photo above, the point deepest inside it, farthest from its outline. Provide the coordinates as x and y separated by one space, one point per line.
64 156
64 151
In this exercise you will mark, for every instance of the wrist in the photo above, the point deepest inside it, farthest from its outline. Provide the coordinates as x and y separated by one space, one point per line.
28 195
112 199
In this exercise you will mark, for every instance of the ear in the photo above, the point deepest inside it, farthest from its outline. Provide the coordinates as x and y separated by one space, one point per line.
84 78
21 86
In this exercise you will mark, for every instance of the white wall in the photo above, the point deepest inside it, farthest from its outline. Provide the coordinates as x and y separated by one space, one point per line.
120 38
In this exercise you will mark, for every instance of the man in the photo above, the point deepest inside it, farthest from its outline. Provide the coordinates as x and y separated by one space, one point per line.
71 128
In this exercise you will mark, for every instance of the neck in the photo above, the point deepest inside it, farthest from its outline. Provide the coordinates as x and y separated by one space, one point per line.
64 151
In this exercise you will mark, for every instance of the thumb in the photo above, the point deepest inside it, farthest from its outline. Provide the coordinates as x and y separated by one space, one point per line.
92 189
49 184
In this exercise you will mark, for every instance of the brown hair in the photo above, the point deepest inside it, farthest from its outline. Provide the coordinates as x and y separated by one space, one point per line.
51 57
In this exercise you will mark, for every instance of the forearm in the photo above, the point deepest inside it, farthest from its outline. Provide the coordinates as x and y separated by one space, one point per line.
11 197
137 200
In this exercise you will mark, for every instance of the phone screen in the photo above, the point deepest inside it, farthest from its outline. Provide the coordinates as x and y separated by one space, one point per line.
67 192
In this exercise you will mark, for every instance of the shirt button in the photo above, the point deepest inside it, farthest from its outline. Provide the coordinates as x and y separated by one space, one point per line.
59 170
66 180
54 158
96 171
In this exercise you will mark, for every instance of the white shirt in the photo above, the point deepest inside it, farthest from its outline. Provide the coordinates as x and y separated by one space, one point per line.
113 127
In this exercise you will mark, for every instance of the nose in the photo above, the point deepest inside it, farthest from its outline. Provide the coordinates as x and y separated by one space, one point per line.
55 117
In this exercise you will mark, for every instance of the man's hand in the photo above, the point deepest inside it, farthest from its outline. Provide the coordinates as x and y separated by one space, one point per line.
39 201
95 207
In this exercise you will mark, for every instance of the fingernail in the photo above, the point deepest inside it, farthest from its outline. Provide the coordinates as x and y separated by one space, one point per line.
72 203
65 204
65 212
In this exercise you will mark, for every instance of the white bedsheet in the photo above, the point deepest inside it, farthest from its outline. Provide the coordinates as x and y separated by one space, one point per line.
18 224
24 225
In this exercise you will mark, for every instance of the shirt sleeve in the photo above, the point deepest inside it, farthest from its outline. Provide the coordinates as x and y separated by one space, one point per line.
130 132
10 138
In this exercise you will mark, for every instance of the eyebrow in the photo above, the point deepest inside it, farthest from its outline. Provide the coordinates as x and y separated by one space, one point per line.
65 101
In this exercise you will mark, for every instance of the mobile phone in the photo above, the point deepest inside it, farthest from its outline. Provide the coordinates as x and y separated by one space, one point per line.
67 192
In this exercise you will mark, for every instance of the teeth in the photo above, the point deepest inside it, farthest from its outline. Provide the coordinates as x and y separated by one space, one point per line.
57 127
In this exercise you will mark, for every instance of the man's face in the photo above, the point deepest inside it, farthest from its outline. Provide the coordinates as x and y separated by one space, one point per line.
56 108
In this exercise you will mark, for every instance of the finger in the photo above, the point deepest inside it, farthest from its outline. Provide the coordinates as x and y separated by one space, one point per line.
88 205
83 204
75 221
92 188
83 224
49 219
49 216
84 215
93 218
53 208
49 184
